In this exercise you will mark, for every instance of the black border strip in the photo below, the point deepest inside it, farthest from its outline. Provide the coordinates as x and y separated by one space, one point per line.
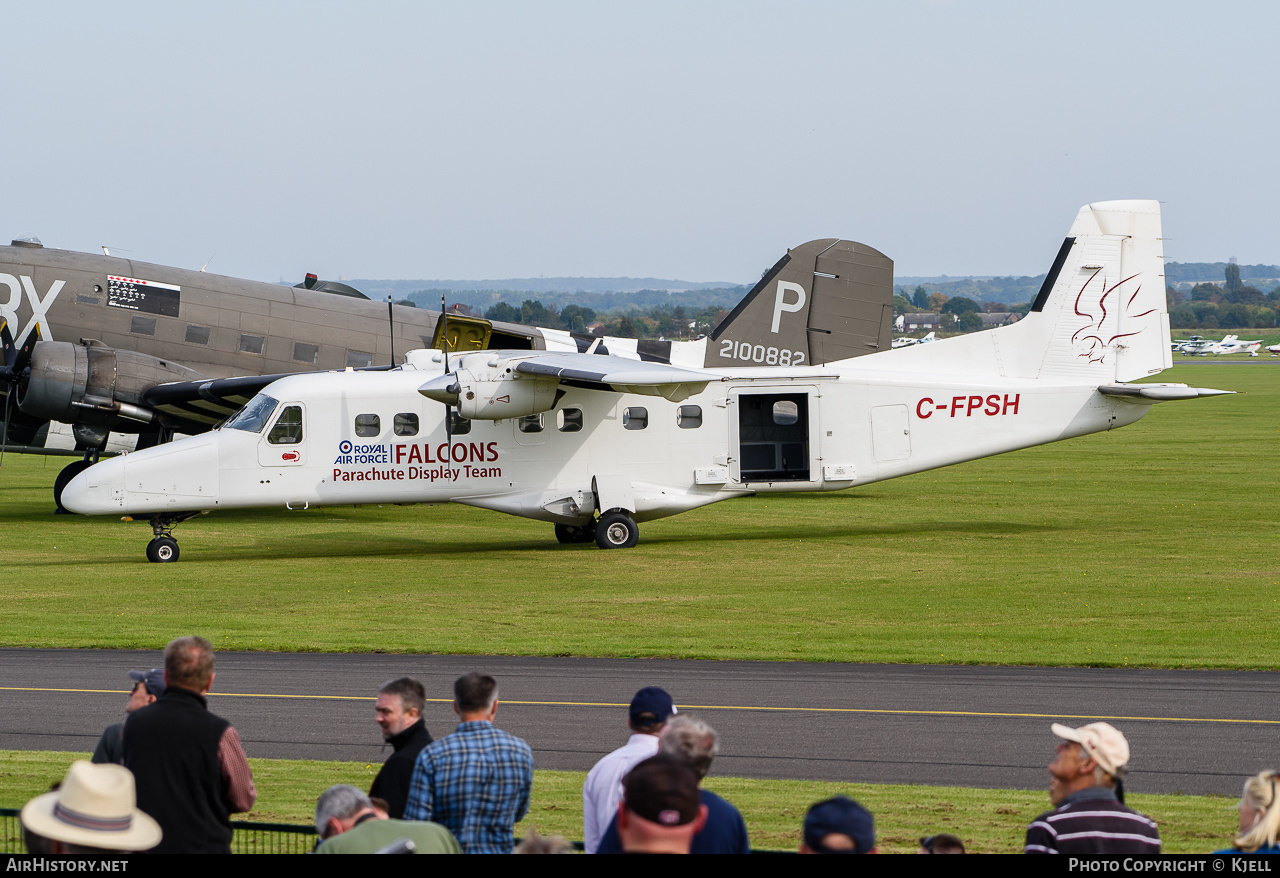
1052 277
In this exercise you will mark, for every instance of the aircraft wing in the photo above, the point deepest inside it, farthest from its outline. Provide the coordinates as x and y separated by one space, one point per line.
197 406
597 372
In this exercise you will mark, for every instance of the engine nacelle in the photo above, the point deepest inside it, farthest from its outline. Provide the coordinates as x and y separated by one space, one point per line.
493 395
94 384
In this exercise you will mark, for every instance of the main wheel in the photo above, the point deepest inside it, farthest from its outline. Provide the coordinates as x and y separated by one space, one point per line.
617 530
572 533
162 550
69 472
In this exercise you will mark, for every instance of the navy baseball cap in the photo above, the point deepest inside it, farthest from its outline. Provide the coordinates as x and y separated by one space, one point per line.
152 679
651 705
840 815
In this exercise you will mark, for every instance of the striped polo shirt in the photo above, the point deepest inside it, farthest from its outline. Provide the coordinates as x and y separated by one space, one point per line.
1092 821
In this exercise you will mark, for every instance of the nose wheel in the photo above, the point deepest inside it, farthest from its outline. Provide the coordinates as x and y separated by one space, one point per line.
163 548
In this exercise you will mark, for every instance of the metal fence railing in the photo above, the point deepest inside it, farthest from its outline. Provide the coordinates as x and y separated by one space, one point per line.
247 838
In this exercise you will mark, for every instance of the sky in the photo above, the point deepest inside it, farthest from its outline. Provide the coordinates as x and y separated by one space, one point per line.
691 140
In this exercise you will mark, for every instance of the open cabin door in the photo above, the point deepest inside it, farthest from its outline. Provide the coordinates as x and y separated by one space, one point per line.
772 436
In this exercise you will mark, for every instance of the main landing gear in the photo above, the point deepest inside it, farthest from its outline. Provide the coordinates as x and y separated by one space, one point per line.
616 529
163 548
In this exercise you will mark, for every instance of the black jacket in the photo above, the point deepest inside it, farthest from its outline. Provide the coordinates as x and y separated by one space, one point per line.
171 747
392 782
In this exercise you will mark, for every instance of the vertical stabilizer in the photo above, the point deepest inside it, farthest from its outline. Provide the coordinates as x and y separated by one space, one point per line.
825 300
1102 313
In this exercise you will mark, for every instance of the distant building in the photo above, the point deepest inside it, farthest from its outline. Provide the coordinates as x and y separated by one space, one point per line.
998 318
912 322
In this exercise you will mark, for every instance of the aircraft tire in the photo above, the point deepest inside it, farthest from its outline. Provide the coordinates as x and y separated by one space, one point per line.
572 533
162 550
69 472
617 530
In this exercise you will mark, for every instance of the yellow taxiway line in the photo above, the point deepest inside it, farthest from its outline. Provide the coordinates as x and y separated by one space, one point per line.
744 707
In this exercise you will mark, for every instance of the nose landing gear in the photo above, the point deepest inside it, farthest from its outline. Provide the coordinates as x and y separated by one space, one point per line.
163 548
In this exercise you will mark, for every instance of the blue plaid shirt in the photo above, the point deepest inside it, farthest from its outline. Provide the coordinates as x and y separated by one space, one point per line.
476 783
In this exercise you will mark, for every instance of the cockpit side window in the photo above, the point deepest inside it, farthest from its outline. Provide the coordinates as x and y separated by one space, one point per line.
287 429
254 416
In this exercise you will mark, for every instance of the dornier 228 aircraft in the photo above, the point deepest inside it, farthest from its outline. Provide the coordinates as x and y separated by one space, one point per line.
595 443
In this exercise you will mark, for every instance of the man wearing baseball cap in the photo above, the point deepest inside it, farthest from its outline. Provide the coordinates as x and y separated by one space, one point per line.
839 826
147 687
660 811
647 714
1087 790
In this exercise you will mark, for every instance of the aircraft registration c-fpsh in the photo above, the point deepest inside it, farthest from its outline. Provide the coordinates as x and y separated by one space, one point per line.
782 397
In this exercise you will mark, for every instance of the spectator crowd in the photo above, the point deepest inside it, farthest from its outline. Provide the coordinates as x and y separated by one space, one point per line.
168 778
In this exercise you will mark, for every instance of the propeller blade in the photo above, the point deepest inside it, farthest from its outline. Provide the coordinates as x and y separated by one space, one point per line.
6 341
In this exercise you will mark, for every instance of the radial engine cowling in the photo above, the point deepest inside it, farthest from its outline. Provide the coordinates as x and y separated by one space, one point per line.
486 398
93 383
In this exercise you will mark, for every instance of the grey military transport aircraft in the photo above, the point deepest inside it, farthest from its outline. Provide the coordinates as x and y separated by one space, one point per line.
109 345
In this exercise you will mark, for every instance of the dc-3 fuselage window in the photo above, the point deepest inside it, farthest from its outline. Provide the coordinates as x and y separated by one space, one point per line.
368 425
570 420
406 424
254 416
635 418
531 424
287 429
689 417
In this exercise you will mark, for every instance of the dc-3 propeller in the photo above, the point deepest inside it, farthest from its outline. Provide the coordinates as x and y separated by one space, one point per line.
15 373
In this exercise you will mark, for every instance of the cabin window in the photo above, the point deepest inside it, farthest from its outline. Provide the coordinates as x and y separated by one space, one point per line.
530 424
288 427
197 334
689 417
143 325
569 420
359 359
635 418
368 425
254 416
785 413
406 424
306 353
458 425
251 344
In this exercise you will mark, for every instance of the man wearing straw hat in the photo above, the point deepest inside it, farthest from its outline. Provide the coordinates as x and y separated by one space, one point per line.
94 811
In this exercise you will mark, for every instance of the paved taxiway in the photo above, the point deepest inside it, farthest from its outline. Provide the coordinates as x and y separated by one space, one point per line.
1191 731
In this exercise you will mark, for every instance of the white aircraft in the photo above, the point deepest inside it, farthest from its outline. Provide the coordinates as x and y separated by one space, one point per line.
596 443
907 341
1230 344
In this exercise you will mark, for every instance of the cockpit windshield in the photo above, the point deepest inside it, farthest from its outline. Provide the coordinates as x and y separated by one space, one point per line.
254 416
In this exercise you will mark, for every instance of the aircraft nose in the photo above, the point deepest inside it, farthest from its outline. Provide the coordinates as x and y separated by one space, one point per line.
97 490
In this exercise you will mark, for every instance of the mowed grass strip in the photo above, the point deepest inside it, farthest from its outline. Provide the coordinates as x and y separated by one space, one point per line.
1153 545
989 821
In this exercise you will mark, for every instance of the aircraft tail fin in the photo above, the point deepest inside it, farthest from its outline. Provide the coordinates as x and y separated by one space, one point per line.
825 300
1101 312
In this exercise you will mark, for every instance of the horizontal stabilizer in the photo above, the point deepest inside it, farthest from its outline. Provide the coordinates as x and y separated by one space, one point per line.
1149 393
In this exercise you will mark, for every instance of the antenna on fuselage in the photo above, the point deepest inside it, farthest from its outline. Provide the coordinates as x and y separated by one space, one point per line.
391 320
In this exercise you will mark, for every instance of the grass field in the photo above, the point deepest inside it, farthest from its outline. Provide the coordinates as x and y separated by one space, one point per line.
1154 545
990 821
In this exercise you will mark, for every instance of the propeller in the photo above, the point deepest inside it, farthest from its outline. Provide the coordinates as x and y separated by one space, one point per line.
444 343
17 365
